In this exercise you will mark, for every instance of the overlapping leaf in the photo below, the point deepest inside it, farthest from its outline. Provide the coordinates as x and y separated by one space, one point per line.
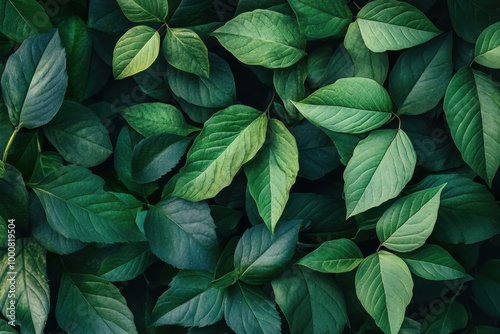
185 50
22 19
144 10
487 52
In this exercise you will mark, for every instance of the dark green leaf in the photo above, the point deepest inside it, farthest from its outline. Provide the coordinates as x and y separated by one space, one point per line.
326 65
470 18
289 84
13 197
448 320
21 19
486 288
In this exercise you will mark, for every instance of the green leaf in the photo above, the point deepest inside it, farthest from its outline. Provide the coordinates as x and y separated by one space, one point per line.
217 92
229 139
335 256
272 172
410 326
381 165
350 105
21 19
486 288
367 64
326 65
263 37
434 263
409 221
78 135
450 318
261 256
190 301
6 127
289 85
182 234
471 17
157 155
185 51
248 310
468 212
420 76
487 51
384 287
77 42
13 197
87 303
34 81
144 10
471 105
27 277
311 302
320 19
394 25
78 208
135 51
154 118
5 328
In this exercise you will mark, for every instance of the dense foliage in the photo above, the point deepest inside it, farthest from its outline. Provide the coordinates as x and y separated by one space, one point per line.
251 166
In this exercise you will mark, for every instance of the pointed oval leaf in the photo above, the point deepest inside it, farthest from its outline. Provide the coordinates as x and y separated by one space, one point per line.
384 287
272 172
381 165
311 302
290 85
320 19
450 318
90 303
350 105
471 105
22 19
263 37
229 139
182 234
335 256
144 10
13 196
190 301
420 76
434 263
248 310
78 208
135 51
28 276
487 51
35 80
470 18
394 25
185 51
260 255
409 221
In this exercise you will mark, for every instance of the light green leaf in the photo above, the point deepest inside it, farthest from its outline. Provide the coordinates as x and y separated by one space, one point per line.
78 135
248 310
409 221
384 287
311 302
320 19
185 51
144 10
21 19
229 139
381 165
420 76
261 256
471 17
487 52
182 234
434 263
34 81
135 51
394 25
350 105
157 155
190 301
78 208
87 303
450 318
263 37
367 64
154 118
272 172
335 256
217 92
471 105
28 276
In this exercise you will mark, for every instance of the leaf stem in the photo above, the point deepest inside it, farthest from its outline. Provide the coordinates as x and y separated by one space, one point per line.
9 144
270 104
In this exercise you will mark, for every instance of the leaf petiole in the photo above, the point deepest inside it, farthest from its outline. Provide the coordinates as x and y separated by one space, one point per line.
9 143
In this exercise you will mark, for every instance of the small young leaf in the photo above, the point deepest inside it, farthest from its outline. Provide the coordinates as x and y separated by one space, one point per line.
135 51
263 37
335 256
185 51
144 10
384 287
487 52
409 221
394 25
